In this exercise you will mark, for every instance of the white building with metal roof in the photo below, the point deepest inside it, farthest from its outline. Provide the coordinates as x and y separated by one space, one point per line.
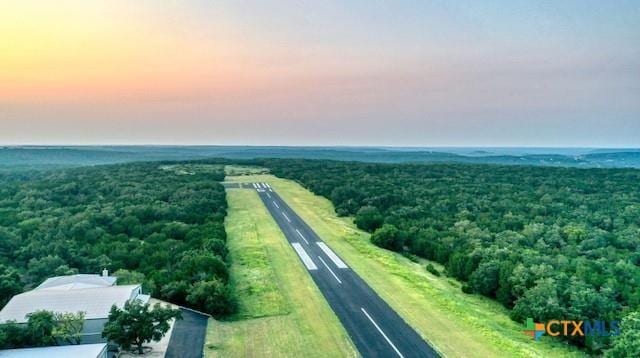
77 281
92 294
98 350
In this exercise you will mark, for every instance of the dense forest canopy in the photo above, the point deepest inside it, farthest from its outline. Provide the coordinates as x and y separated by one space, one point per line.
160 225
549 243
48 157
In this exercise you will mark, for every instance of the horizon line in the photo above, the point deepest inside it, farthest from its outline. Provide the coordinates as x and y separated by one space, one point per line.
308 146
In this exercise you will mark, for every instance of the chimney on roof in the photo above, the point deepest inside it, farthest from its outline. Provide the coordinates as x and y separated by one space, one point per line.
105 273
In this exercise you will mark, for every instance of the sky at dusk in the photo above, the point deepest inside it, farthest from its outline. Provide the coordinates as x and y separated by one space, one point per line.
402 73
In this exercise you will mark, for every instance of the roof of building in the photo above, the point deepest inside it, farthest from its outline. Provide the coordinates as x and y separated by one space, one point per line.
95 302
73 282
82 350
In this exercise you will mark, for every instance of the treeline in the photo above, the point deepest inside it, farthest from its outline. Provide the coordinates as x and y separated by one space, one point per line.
161 225
43 328
548 243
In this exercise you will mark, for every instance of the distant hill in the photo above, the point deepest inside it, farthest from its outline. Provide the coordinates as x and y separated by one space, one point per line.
53 156
615 159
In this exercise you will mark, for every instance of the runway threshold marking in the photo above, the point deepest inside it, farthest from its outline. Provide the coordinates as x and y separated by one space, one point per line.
254 185
276 204
332 255
302 236
286 217
382 332
306 259
330 270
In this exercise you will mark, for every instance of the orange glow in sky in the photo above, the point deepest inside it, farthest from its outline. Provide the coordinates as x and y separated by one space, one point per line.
319 72
92 50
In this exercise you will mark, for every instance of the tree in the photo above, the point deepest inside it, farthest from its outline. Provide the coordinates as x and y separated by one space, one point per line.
198 266
40 326
369 218
388 237
126 277
137 324
212 297
13 335
43 328
627 344
68 327
587 303
432 269
540 303
504 293
485 278
175 291
41 268
10 284
8 240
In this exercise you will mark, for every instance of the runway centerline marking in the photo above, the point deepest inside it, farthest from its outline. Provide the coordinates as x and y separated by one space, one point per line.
306 259
276 204
381 332
286 217
302 236
330 270
332 255
269 195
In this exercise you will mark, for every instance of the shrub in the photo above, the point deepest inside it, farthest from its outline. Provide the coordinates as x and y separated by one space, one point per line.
433 270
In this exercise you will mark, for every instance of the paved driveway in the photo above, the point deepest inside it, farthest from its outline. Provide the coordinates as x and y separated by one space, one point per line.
188 336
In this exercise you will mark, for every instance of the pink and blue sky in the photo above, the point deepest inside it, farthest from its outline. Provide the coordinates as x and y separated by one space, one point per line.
405 73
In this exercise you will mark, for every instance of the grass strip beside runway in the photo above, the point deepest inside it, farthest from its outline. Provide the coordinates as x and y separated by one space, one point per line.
281 311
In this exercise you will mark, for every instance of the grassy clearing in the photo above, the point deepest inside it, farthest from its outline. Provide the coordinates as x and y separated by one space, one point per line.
232 170
281 311
457 324
191 169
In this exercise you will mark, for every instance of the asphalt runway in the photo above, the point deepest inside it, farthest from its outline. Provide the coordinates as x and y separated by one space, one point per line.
374 327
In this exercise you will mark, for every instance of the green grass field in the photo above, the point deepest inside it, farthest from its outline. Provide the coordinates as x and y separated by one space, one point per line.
191 169
232 170
457 324
281 311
